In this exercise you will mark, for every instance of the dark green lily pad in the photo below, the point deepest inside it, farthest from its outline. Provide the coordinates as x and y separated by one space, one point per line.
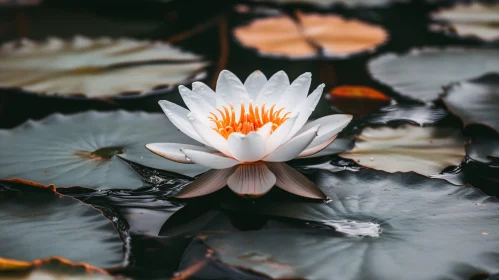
406 113
475 101
41 223
428 229
421 73
80 149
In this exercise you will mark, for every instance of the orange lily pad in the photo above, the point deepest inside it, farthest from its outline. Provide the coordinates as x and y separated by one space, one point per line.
310 35
359 100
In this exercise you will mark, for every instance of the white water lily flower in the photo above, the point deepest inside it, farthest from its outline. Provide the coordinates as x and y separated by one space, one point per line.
248 131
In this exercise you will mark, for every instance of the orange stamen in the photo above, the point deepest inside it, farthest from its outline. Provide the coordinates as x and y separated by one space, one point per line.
251 118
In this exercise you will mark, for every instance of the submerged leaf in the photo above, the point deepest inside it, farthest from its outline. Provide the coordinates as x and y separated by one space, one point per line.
425 150
80 149
475 101
478 20
41 223
332 34
94 67
422 73
428 229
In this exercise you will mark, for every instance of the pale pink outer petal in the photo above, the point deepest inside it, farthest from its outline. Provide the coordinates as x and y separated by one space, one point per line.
172 151
178 116
293 147
254 83
314 150
210 136
246 148
252 180
210 181
209 159
294 182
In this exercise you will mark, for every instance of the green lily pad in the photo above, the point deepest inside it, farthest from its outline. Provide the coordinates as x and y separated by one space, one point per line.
37 223
95 68
425 150
475 101
421 73
386 226
80 149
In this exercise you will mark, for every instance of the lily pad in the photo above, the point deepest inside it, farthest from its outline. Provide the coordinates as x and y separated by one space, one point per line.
475 101
425 150
80 149
397 114
309 36
102 67
477 20
358 100
50 269
421 73
411 214
41 223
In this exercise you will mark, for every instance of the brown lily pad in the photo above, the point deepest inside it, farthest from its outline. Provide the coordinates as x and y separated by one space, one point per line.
310 35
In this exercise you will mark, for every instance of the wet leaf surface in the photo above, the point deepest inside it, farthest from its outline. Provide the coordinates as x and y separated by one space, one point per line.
94 67
459 233
425 150
397 114
476 20
50 269
80 149
41 223
405 73
475 101
310 35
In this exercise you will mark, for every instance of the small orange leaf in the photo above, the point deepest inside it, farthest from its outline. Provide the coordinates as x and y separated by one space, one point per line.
358 100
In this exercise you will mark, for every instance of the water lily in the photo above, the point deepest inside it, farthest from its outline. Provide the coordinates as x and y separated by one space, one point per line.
248 131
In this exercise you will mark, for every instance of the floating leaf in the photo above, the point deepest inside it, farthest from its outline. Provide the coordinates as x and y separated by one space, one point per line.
475 101
95 68
41 223
310 35
421 73
406 113
50 269
478 20
411 214
79 149
425 150
357 99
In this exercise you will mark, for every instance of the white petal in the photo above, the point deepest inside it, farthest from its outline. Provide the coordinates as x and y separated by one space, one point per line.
210 181
210 136
315 149
265 131
273 89
306 109
252 180
210 159
280 134
254 83
330 126
206 92
195 102
293 147
296 92
172 151
294 182
178 116
231 89
246 148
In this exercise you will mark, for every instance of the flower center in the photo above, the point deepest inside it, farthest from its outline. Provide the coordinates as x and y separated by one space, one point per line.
250 119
